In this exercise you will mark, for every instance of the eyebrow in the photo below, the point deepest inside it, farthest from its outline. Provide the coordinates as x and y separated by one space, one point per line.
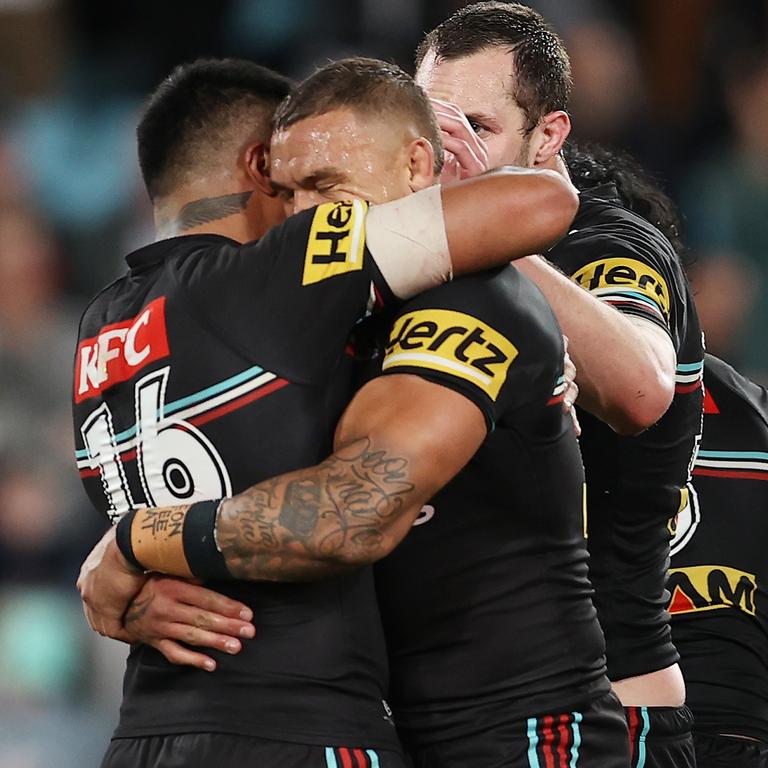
481 117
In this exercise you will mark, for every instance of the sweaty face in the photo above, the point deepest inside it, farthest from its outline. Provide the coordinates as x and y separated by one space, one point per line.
480 86
339 156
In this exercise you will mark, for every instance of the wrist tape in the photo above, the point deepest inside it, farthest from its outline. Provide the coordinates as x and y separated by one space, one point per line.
174 540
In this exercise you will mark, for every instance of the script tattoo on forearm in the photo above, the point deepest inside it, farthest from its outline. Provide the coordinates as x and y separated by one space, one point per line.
318 521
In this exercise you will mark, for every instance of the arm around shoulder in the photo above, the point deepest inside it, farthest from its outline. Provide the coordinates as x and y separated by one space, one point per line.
505 215
400 440
419 241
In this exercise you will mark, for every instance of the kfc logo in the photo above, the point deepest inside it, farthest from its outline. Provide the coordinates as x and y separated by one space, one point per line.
120 350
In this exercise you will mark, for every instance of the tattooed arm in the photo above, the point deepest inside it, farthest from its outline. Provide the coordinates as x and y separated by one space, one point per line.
401 439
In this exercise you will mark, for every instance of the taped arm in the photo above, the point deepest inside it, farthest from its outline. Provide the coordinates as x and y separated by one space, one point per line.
401 439
421 240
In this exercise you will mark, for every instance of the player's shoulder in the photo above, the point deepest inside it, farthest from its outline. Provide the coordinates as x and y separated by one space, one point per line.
501 310
730 393
165 268
504 288
98 312
503 298
491 336
603 226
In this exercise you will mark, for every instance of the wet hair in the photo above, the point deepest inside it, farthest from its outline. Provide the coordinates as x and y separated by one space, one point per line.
541 70
186 120
367 86
591 165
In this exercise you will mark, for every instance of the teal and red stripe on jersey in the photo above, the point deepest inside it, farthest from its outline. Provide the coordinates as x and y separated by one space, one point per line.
639 725
554 740
626 299
744 465
199 408
688 377
558 393
346 757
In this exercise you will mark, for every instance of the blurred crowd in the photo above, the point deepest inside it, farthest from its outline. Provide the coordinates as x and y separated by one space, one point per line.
683 86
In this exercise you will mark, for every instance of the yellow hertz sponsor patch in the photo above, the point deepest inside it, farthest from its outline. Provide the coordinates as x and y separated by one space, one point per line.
628 278
707 587
336 241
454 343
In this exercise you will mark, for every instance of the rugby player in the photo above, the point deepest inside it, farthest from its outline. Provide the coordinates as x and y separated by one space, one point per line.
213 365
501 79
537 692
717 581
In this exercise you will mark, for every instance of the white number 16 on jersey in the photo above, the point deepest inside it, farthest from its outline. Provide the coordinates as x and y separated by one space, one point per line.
177 463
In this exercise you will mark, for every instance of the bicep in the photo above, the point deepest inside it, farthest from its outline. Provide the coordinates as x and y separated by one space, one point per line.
659 344
432 430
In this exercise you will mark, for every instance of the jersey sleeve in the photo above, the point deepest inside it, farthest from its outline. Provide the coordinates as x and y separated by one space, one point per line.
290 300
475 337
628 269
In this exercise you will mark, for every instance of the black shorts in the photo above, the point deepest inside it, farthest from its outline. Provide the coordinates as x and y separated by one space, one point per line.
222 750
596 737
713 751
660 737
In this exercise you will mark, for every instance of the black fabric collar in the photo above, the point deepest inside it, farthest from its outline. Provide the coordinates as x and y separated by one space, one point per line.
607 192
156 252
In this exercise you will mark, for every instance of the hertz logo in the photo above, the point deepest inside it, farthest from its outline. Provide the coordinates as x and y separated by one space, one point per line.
625 274
707 587
451 342
336 241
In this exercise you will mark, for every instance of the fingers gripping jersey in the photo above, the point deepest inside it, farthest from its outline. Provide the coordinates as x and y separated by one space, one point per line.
635 485
209 367
486 603
719 571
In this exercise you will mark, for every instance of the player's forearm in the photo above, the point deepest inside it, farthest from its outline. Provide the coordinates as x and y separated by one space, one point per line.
621 377
504 215
316 522
399 441
346 512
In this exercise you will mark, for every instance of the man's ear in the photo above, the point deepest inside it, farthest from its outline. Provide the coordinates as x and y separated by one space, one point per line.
421 164
257 168
549 137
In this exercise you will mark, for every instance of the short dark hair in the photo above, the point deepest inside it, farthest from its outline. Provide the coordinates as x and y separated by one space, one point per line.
369 86
542 70
189 113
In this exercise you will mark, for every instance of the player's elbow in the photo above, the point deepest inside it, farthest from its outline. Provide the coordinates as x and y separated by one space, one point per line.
647 401
365 547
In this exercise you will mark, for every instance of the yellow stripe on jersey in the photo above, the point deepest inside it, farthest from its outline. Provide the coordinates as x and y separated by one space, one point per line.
454 343
336 241
619 277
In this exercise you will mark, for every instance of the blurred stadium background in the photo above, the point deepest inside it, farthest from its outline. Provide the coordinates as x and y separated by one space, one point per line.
683 85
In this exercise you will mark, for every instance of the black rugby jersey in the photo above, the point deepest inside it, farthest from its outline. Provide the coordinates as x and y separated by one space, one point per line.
719 603
209 367
486 603
635 485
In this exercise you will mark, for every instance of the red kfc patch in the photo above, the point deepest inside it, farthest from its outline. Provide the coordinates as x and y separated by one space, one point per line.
120 350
